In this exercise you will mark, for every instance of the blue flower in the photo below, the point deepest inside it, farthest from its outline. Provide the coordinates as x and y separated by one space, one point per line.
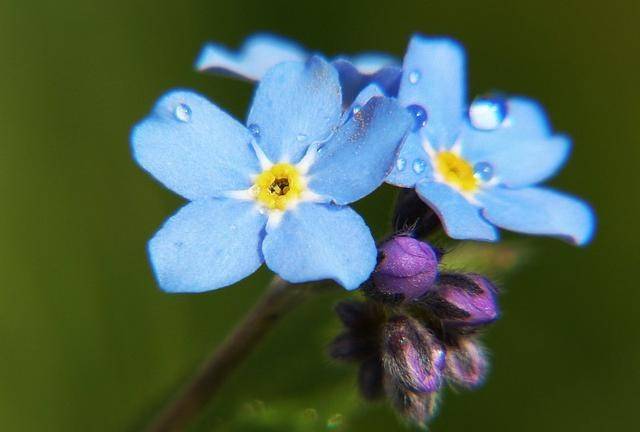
274 191
262 51
481 168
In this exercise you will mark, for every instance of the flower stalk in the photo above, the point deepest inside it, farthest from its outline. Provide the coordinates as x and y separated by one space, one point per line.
279 298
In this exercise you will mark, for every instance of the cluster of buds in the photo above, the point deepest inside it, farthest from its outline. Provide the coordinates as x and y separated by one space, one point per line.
417 330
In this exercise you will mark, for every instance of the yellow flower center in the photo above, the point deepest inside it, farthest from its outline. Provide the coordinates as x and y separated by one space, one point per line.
278 186
456 171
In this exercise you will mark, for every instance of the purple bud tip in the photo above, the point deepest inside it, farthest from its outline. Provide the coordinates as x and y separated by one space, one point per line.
408 267
466 363
468 300
412 355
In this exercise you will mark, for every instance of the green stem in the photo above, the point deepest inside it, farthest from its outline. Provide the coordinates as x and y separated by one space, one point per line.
279 298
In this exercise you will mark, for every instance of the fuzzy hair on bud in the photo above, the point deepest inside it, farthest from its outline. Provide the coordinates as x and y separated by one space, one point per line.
412 355
466 363
463 300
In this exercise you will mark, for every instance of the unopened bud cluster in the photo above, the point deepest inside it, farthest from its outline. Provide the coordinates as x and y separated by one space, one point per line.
417 330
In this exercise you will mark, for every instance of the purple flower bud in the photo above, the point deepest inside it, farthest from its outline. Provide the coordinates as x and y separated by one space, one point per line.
464 300
407 268
370 376
411 355
467 363
418 408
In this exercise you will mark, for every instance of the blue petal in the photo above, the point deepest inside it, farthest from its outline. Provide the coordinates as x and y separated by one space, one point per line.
412 165
207 245
521 163
356 160
434 78
295 105
371 62
460 218
319 241
370 91
353 80
539 211
525 120
193 147
259 53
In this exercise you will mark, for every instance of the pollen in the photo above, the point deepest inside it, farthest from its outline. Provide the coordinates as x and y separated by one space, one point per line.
456 171
279 186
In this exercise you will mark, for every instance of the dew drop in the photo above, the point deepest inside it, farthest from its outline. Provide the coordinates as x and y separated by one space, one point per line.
419 115
418 166
183 113
301 137
255 130
401 163
356 109
483 171
414 76
487 112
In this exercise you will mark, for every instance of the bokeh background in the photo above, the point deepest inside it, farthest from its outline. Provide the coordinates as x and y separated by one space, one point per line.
88 342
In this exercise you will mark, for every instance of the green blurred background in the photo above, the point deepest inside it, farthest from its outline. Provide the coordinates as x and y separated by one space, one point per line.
88 342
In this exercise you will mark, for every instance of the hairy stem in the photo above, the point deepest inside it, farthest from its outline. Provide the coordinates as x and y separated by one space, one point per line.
279 298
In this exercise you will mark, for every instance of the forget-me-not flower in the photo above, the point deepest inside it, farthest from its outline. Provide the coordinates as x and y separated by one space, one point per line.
480 168
276 190
262 51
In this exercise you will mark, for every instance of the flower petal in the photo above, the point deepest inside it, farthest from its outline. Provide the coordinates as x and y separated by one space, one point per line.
525 120
295 105
434 78
412 165
460 218
355 161
369 63
539 211
319 241
370 91
356 74
258 54
193 147
207 245
518 164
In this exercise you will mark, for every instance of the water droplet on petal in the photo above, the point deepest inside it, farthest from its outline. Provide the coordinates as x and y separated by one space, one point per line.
419 116
418 166
483 171
487 112
255 130
183 113
401 163
301 137
414 76
356 109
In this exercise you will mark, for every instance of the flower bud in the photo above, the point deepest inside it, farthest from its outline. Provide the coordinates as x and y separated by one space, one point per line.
407 268
411 355
463 300
466 363
418 408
